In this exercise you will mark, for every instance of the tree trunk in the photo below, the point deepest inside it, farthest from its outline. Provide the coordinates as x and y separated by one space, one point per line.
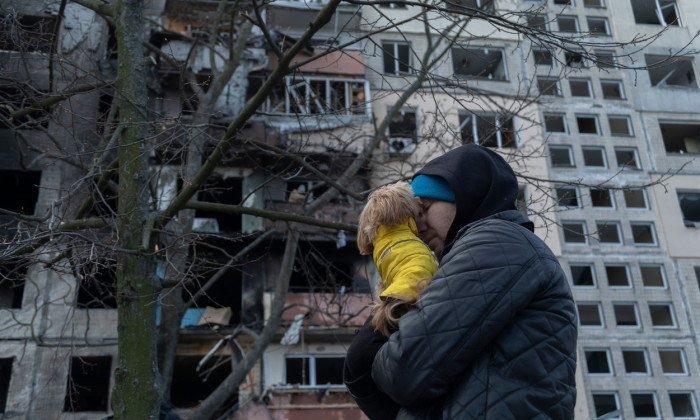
135 393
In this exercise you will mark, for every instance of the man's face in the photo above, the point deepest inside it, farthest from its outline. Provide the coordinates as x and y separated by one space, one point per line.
434 221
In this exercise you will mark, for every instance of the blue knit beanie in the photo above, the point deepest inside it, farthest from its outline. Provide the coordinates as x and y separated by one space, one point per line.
434 187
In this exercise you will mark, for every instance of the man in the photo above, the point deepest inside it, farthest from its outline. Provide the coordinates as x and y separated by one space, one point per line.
493 336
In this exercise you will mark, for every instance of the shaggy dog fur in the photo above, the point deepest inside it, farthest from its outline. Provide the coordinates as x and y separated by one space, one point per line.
388 206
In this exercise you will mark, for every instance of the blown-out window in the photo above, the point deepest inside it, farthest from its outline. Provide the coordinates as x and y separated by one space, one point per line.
488 129
314 371
482 63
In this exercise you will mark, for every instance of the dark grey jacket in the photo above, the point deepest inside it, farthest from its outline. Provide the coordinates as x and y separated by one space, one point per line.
493 335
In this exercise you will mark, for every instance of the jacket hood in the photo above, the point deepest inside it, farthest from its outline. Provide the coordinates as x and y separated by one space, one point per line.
482 181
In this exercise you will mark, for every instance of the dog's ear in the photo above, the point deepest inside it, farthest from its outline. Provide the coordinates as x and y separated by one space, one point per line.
395 203
366 229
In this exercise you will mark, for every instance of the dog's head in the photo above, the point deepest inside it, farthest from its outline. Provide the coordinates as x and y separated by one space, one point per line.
386 206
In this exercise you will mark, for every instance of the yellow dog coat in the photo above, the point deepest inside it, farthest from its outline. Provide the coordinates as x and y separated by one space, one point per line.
404 261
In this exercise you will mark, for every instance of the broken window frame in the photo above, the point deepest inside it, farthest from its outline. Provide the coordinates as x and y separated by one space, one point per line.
645 360
403 132
667 71
583 270
597 203
616 118
543 57
600 150
661 272
483 54
626 323
598 315
300 97
571 24
549 86
499 128
691 402
691 198
627 277
559 119
598 22
400 68
311 359
680 143
636 166
561 148
652 234
670 323
658 14
681 361
605 410
607 362
575 59
579 232
607 85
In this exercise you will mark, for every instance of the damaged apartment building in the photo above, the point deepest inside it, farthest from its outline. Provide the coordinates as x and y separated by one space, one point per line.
616 141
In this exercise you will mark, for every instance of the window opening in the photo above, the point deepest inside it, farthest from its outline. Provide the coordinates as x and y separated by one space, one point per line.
653 275
656 12
543 57
587 124
5 375
307 95
635 361
612 89
536 22
689 202
620 125
626 314
581 88
594 157
582 275
396 58
564 2
602 197
575 59
671 71
12 279
593 3
589 314
555 123
609 232
683 405
21 191
484 63
680 137
567 23
606 406
598 25
314 371
14 99
489 130
673 361
627 158
88 384
548 86
321 267
97 285
574 232
221 190
618 275
643 233
403 132
635 198
462 5
644 405
662 315
567 196
27 33
193 383
561 156
605 60
598 362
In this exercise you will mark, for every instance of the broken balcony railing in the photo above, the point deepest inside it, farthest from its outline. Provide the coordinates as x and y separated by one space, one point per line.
319 95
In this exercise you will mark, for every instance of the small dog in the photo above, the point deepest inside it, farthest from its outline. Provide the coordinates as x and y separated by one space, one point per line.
387 230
